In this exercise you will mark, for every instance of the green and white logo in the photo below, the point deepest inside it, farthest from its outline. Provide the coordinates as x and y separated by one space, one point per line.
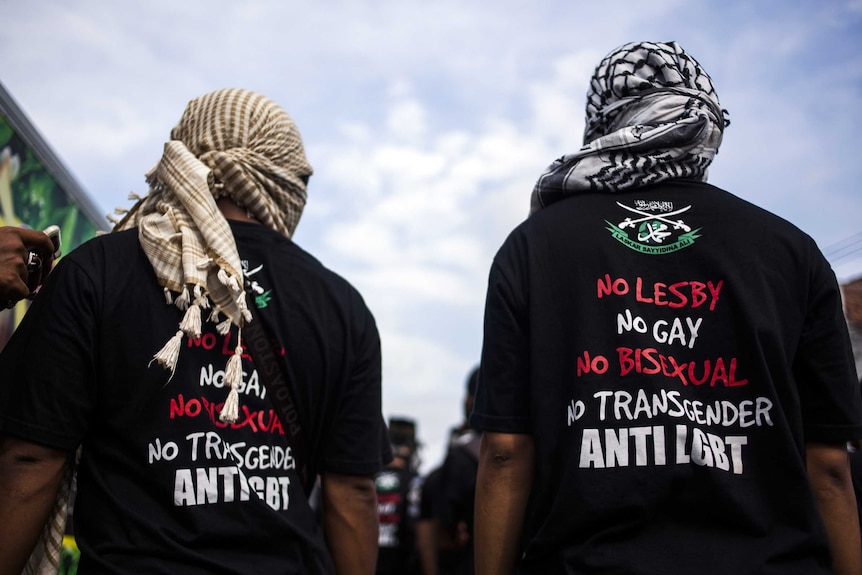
262 297
654 228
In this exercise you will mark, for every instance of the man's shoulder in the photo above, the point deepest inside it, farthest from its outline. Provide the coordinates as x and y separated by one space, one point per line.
108 247
710 196
124 237
286 259
679 198
264 240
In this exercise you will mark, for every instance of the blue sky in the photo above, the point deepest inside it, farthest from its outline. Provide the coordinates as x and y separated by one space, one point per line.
427 124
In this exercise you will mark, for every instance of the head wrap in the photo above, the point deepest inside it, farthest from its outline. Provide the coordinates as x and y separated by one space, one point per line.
233 143
652 115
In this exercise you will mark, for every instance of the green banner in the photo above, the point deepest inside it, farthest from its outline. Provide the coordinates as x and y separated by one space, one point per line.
30 196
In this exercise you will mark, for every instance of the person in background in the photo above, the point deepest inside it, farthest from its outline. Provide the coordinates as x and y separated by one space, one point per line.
442 548
428 526
135 352
667 383
16 246
398 489
463 428
451 492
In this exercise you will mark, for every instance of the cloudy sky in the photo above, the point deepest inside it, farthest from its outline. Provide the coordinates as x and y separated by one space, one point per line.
428 122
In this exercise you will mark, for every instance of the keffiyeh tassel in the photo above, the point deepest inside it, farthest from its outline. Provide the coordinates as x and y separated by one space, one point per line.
228 280
233 377
182 301
201 298
230 411
243 307
191 324
223 327
167 356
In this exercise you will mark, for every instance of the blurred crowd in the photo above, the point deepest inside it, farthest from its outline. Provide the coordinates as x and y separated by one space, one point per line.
426 520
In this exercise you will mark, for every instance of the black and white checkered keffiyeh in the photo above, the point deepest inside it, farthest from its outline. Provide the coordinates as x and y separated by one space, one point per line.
652 115
230 142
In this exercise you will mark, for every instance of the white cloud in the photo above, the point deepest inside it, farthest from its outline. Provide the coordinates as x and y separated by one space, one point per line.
425 380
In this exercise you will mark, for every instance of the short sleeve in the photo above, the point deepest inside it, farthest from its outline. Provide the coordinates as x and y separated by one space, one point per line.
358 443
824 367
502 402
48 387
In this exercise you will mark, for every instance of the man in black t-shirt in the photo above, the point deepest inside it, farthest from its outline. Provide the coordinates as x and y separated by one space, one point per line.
666 380
457 485
446 506
135 352
398 491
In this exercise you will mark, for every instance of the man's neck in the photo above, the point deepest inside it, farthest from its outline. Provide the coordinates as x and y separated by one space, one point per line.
231 211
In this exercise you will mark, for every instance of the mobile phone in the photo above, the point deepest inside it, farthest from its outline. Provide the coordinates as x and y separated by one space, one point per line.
53 232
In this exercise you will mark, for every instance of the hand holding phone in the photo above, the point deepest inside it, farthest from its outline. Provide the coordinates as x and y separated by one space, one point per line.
26 258
38 267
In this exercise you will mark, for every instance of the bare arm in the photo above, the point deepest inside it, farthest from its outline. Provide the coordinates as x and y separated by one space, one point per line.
829 473
350 522
30 476
503 486
426 545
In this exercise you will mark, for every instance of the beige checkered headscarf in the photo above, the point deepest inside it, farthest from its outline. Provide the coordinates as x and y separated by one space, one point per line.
233 143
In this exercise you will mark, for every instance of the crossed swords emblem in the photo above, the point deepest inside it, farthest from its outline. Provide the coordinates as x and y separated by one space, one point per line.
255 287
655 223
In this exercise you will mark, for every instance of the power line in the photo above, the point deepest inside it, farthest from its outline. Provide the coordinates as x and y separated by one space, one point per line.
838 257
852 243
845 252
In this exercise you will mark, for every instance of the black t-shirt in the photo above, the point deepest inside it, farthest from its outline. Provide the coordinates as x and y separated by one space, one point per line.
398 500
453 556
458 482
163 485
670 349
429 494
457 487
